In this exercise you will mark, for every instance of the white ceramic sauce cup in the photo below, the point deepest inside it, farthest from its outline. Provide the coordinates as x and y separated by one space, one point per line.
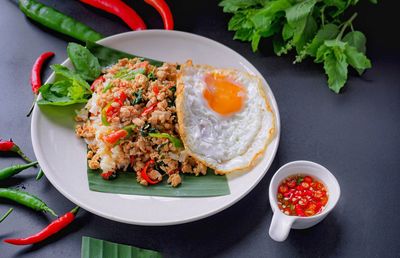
282 223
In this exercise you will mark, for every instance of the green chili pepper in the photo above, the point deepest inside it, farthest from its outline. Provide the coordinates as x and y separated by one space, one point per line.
25 199
109 86
175 141
6 215
10 171
104 115
58 21
40 174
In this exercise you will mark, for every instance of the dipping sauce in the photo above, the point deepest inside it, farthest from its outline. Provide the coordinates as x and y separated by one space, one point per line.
301 195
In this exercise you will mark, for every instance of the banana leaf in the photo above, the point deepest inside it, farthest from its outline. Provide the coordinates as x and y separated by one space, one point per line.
108 56
192 186
96 248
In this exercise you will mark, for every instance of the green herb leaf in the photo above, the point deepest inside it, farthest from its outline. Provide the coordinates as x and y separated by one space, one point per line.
68 88
138 97
85 63
356 39
231 6
332 53
299 12
327 32
357 59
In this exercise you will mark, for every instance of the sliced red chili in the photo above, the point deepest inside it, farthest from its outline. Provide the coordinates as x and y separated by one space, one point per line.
144 175
156 90
97 82
149 109
114 137
108 175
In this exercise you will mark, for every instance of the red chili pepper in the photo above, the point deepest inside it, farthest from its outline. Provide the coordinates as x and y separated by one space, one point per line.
108 175
120 9
36 81
149 109
114 137
11 146
144 175
48 231
96 82
156 90
163 9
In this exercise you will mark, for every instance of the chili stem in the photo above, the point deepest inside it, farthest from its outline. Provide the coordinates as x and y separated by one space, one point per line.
39 174
6 215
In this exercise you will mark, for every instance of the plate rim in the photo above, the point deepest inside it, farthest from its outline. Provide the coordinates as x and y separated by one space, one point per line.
121 36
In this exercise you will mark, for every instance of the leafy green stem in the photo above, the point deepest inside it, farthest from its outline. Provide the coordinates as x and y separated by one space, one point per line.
345 25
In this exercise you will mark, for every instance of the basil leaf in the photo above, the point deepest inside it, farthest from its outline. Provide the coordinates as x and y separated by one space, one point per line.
356 39
85 63
357 59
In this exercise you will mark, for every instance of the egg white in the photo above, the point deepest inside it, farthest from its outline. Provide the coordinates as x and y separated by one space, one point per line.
224 143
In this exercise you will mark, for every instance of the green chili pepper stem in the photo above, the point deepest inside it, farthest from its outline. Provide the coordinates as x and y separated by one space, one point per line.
17 150
26 199
75 210
13 170
49 210
58 21
39 174
6 214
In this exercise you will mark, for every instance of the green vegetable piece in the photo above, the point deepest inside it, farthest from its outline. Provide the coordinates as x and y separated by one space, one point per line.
356 39
13 170
327 32
299 180
152 76
39 175
108 56
68 88
85 63
175 141
130 74
92 248
297 14
357 59
108 86
25 199
232 6
138 97
332 53
58 21
6 214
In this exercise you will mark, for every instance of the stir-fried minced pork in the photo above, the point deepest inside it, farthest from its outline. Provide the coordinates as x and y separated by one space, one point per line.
126 121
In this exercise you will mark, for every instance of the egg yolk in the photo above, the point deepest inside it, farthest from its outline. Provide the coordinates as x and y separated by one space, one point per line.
222 95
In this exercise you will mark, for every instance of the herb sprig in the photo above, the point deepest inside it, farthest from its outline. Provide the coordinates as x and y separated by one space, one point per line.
312 28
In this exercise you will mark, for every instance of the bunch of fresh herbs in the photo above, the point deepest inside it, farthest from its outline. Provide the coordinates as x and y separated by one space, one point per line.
312 28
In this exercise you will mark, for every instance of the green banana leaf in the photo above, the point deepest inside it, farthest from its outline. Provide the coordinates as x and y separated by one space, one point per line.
192 186
109 56
96 248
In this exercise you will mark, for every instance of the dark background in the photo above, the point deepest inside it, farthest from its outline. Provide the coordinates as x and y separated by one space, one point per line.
355 134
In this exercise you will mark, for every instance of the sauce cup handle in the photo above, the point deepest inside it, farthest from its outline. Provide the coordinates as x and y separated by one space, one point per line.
280 226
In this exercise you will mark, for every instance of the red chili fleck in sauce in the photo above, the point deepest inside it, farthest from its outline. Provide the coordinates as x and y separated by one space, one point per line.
301 195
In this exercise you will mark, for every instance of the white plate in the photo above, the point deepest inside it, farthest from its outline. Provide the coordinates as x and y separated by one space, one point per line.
63 156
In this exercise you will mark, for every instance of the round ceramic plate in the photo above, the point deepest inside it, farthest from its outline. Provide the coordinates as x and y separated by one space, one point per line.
62 155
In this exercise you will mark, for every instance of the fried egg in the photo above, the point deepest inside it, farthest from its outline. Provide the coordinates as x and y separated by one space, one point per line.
225 120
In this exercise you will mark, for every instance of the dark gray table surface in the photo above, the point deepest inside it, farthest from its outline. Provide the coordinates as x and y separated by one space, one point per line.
355 134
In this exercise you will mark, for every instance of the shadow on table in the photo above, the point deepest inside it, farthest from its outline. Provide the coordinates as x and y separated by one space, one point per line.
321 240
